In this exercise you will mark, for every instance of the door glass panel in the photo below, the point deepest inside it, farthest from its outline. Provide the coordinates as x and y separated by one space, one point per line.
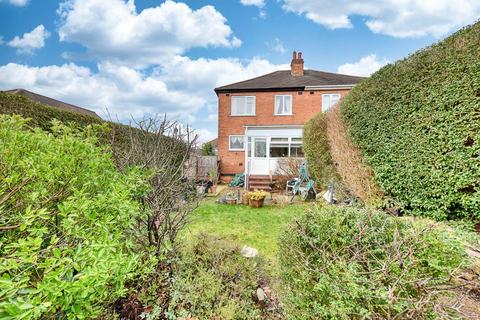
260 146
249 147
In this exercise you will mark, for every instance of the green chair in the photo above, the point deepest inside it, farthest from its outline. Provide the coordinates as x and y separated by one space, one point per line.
304 185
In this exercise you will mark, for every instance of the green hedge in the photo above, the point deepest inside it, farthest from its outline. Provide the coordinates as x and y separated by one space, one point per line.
69 223
346 263
41 116
417 123
317 151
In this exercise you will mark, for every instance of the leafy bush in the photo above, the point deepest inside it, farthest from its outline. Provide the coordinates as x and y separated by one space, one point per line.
213 281
207 149
317 151
345 263
417 123
286 170
68 223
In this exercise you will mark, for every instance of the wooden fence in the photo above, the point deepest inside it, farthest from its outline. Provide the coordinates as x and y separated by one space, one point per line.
201 166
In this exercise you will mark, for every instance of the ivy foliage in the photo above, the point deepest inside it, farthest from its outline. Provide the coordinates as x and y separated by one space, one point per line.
347 263
417 123
68 219
317 151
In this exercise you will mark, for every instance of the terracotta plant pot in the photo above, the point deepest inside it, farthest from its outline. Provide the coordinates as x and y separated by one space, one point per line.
231 201
254 203
245 200
213 189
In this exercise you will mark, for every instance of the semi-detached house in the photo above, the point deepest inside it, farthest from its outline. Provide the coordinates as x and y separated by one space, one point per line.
261 120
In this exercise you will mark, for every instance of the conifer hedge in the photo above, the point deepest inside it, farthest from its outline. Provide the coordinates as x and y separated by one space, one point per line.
417 123
317 151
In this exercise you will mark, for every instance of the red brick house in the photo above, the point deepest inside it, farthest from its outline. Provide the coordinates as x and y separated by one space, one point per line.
261 120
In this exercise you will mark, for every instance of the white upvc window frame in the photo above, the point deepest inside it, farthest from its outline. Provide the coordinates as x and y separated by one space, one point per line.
329 95
230 142
275 104
243 114
289 141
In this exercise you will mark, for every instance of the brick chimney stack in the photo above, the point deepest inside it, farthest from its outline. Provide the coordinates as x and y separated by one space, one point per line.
297 64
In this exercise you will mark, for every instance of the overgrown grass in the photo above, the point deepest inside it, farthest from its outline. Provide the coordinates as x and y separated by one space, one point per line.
258 228
213 281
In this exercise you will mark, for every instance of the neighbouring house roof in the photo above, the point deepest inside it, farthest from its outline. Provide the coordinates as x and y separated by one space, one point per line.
52 102
283 81
214 142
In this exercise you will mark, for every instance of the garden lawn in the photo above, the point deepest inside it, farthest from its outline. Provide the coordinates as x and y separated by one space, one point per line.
258 228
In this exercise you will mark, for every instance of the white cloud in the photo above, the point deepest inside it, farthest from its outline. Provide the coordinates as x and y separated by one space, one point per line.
364 67
257 3
182 89
30 41
277 46
18 3
398 18
205 135
124 91
114 30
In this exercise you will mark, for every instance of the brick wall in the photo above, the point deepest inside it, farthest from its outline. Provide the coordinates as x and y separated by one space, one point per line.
305 105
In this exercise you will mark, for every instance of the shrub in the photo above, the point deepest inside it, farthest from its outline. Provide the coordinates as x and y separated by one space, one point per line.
287 169
317 151
257 195
162 147
207 149
68 223
417 123
213 281
345 263
355 174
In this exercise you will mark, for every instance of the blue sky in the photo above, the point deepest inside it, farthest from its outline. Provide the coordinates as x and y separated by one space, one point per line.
142 57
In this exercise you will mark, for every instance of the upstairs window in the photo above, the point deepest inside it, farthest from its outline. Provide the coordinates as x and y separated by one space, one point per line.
329 100
243 106
283 105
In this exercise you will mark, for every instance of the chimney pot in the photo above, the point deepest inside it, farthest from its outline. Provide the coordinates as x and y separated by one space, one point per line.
296 66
